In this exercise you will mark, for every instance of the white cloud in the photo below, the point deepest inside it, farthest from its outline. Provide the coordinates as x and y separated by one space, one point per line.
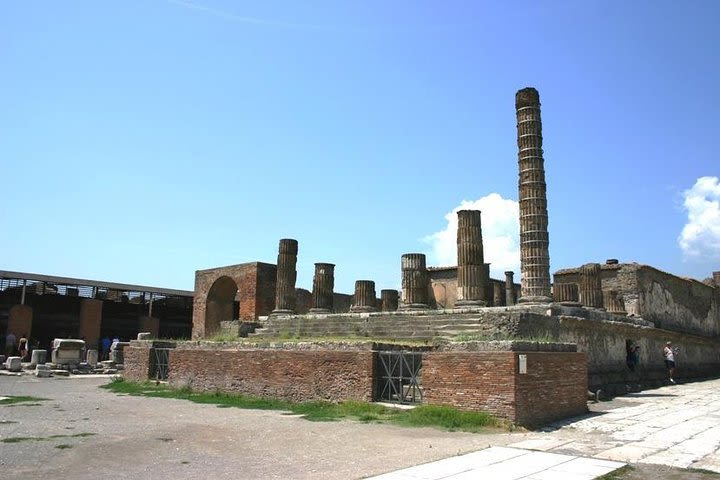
500 229
700 237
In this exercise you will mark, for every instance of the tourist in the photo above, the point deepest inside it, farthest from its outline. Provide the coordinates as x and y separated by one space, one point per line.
105 343
23 347
669 354
9 344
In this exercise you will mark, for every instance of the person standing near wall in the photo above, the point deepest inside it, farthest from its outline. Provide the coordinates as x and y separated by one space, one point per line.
669 354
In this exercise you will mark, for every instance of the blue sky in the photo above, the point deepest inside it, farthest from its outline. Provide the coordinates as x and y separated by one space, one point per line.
143 140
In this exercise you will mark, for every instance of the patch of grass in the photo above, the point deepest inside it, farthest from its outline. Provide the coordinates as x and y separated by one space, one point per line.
617 474
447 418
21 399
43 439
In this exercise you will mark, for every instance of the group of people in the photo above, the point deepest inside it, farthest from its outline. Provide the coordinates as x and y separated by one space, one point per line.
669 351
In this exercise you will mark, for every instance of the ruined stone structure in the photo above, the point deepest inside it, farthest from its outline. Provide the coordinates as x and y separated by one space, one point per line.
323 284
286 276
534 239
590 287
389 300
365 300
566 293
471 271
415 281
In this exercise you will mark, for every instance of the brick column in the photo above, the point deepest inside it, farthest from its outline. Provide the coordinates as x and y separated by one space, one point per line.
534 239
286 276
472 280
20 319
590 286
389 300
509 288
90 321
323 284
415 281
364 297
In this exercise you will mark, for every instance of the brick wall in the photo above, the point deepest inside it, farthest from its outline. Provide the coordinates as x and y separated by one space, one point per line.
289 374
137 363
555 386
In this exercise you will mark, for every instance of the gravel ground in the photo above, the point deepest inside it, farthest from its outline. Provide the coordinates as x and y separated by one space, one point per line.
139 438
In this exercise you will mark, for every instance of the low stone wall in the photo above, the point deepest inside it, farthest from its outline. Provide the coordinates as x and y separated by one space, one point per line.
296 375
552 387
475 376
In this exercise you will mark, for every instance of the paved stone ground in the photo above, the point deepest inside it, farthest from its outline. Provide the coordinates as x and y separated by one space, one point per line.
143 438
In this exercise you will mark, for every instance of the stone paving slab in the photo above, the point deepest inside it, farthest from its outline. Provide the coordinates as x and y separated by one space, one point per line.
502 463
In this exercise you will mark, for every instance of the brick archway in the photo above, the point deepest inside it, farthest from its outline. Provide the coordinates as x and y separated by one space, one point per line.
216 290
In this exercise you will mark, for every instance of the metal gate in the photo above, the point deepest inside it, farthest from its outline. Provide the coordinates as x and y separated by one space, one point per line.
397 377
159 367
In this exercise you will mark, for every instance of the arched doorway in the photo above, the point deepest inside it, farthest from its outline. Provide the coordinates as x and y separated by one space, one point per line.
220 304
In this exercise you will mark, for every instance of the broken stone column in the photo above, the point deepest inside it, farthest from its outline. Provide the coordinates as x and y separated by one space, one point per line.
13 364
117 350
613 302
471 278
566 294
323 285
286 277
389 300
415 281
364 296
498 294
38 357
534 238
590 286
509 288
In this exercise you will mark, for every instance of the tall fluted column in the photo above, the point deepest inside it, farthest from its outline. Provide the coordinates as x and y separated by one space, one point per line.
509 288
364 296
286 275
591 286
323 284
389 300
471 264
415 281
534 239
613 302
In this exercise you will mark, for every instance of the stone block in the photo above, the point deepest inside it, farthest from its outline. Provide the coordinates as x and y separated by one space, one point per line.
43 371
92 357
13 364
38 357
144 336
67 351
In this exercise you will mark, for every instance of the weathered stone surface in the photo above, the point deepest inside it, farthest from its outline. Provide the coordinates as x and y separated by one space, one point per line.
590 288
92 357
38 357
43 371
566 293
534 238
144 336
285 299
415 281
13 364
67 351
323 285
364 296
389 299
116 351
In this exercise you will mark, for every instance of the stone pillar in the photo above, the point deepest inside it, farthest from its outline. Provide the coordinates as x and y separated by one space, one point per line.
389 300
90 321
415 281
471 278
286 276
534 239
38 357
323 285
590 286
509 288
20 319
498 294
364 297
566 294
150 325
92 357
613 302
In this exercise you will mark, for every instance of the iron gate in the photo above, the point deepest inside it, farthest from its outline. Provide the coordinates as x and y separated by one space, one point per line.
397 377
159 368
